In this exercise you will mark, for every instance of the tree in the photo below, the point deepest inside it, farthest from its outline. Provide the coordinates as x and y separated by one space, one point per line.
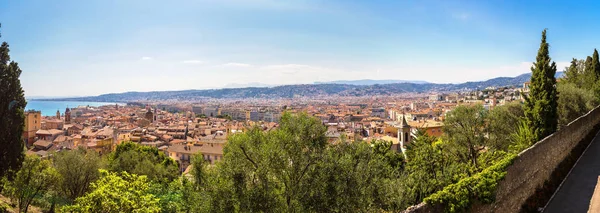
359 177
300 140
596 63
294 169
572 74
115 192
502 121
589 74
464 128
573 102
595 66
541 104
143 160
12 103
271 166
198 170
77 170
34 179
429 167
394 159
181 195
227 116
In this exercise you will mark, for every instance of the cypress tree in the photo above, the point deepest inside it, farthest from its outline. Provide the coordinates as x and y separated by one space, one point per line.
572 73
12 104
589 75
595 69
595 64
540 106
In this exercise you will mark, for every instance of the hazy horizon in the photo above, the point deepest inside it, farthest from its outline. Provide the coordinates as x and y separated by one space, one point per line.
87 48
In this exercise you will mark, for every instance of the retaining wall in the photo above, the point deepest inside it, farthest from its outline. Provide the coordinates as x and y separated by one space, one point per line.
535 168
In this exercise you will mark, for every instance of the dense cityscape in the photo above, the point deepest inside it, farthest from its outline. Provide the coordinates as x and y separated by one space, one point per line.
169 127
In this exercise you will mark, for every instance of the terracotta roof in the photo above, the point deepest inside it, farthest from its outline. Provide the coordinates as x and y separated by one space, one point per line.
192 149
49 132
62 138
43 143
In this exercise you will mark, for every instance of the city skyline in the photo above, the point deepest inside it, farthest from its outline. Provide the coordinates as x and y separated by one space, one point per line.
87 48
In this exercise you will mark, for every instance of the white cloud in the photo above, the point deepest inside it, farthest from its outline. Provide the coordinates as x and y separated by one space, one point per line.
560 65
193 62
233 64
145 58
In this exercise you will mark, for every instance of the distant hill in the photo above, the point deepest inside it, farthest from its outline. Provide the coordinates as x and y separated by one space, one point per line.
253 84
306 90
370 82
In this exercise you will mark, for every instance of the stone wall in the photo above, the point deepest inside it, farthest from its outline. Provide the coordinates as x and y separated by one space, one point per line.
536 167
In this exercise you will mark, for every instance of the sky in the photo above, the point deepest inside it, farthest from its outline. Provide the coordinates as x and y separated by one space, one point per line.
92 47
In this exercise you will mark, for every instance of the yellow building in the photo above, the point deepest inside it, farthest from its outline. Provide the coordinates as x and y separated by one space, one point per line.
33 122
124 137
101 145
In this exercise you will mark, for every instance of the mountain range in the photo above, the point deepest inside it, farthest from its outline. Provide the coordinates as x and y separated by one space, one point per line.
371 82
341 88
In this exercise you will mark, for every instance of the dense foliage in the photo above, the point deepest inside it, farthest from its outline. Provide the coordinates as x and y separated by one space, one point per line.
579 91
143 160
12 104
574 102
114 192
502 122
77 169
283 171
35 178
465 129
481 186
540 104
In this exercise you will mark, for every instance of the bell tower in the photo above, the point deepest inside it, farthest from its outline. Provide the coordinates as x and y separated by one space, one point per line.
404 137
67 116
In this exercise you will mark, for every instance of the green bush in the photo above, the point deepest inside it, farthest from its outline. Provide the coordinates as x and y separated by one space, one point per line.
482 186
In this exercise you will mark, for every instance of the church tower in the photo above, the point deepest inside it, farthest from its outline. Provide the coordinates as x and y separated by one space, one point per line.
57 114
67 116
404 137
155 115
185 134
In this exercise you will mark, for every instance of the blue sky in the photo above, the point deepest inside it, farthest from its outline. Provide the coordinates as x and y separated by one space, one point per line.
76 48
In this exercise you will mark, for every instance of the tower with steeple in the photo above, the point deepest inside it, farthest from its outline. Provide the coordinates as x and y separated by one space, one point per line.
57 114
404 137
185 134
155 115
67 116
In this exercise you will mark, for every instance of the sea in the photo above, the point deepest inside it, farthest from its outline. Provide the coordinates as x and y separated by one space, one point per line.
48 108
